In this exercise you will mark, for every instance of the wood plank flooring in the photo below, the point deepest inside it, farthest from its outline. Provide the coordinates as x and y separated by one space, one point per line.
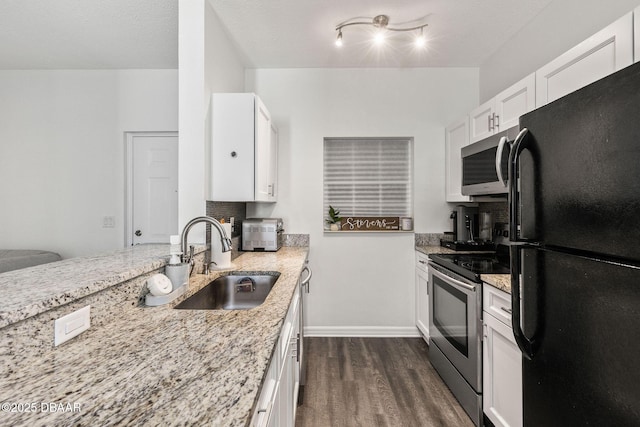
375 382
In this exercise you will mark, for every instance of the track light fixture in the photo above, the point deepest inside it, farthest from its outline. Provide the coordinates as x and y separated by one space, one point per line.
381 22
339 38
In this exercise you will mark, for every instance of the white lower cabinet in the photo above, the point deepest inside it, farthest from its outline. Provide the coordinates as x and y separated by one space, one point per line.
422 295
502 362
278 399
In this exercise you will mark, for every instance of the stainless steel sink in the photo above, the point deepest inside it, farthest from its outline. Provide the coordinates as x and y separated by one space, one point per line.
236 291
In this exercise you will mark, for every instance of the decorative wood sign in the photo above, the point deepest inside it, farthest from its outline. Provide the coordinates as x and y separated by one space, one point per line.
370 223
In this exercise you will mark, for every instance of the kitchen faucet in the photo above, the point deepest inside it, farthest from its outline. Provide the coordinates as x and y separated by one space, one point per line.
226 241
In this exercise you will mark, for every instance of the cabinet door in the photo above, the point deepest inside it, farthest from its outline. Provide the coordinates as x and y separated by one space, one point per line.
502 374
456 137
607 51
294 359
286 394
275 417
232 147
264 414
263 155
273 164
481 121
514 102
422 303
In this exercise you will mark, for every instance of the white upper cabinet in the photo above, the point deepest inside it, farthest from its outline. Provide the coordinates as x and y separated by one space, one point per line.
456 137
243 152
515 101
481 121
263 178
503 111
272 179
607 51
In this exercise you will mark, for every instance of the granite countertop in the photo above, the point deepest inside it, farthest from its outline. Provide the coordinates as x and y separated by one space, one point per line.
499 281
434 249
160 366
34 290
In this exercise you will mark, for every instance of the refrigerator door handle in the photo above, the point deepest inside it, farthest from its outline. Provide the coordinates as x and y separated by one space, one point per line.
526 345
501 144
519 145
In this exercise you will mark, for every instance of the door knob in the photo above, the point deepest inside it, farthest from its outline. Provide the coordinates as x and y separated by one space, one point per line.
138 233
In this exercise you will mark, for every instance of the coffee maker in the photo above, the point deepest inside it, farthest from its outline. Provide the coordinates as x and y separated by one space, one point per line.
465 223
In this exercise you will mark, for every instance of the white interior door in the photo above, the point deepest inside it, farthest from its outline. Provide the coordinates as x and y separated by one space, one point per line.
154 187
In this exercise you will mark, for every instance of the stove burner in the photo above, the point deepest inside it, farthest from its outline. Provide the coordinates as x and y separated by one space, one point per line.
468 246
477 265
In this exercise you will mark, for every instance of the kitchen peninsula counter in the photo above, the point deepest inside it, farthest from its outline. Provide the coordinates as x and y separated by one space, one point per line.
499 281
149 365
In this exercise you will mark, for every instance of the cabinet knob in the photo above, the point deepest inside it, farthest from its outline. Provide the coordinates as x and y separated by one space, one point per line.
234 154
138 233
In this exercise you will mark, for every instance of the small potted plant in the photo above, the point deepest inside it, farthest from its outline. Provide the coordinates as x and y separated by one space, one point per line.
334 219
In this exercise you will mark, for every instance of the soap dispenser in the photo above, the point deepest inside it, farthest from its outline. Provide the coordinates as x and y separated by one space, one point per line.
176 271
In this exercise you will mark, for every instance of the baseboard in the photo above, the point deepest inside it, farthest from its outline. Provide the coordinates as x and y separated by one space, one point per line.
361 331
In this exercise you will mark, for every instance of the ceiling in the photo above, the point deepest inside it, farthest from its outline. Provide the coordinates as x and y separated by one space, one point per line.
88 34
111 34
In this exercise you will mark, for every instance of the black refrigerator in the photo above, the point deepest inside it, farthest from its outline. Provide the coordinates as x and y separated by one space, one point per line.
574 195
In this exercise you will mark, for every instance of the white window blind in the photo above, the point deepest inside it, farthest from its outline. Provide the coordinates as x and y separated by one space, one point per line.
369 176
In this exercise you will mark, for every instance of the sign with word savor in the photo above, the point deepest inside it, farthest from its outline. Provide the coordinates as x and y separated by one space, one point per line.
370 223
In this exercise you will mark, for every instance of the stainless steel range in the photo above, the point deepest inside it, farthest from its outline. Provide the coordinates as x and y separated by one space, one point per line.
455 321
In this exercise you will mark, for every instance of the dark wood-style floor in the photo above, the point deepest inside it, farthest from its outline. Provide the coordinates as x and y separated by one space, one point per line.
375 382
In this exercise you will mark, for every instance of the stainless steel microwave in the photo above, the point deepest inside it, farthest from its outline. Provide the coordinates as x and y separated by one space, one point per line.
485 164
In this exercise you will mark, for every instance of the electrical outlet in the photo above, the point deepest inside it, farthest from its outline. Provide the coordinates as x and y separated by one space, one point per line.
72 325
108 222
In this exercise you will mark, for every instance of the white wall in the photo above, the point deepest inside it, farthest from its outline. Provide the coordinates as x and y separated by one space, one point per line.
361 282
560 26
62 152
208 63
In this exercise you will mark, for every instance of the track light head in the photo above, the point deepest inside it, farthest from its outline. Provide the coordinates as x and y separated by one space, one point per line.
420 41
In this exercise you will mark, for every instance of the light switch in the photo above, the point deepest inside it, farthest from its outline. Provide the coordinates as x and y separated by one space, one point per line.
72 325
108 222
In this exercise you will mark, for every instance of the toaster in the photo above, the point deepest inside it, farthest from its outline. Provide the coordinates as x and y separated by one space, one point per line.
262 234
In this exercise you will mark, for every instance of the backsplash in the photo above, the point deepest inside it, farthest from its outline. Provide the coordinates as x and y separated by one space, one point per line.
499 210
226 210
295 240
428 239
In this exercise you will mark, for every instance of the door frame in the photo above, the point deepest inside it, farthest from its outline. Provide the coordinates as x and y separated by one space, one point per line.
129 138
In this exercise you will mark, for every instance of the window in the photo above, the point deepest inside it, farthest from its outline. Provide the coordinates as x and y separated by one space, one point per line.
369 177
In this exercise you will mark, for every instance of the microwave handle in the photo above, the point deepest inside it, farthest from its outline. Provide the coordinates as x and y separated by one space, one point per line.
501 144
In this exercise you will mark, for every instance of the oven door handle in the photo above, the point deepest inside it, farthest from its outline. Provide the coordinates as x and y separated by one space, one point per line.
450 279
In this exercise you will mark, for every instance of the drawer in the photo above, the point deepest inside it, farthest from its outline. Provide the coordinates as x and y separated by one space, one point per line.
497 303
421 261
